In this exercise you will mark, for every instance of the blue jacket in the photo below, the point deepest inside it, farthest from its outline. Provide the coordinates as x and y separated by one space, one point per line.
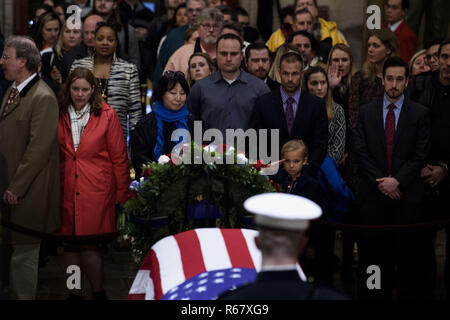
337 193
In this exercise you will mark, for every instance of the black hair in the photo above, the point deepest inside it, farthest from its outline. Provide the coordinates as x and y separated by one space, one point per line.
167 82
305 34
230 11
442 44
255 46
405 5
395 62
286 11
229 36
251 34
236 26
291 56
241 11
302 11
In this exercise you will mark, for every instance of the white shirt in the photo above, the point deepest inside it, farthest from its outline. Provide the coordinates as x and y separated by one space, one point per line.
24 84
394 26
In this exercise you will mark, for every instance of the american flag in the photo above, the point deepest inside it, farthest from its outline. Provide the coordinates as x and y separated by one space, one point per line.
209 285
175 259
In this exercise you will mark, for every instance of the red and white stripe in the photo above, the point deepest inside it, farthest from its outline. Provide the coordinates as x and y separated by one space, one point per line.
174 259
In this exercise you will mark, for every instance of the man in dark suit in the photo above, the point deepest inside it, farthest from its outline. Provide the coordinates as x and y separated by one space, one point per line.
281 220
392 141
295 113
257 62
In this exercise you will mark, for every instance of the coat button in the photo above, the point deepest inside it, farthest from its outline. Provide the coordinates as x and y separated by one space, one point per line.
76 176
78 193
74 158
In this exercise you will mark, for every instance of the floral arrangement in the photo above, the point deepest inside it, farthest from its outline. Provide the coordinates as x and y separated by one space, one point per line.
168 188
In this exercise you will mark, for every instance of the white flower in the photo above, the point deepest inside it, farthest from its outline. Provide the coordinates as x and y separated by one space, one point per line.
210 148
141 180
163 159
241 159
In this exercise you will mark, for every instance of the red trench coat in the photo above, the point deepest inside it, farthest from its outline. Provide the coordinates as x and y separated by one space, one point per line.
95 177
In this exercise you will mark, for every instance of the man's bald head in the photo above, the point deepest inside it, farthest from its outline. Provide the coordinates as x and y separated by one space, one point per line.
89 26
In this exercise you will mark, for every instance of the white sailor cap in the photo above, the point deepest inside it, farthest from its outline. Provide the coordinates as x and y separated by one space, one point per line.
282 210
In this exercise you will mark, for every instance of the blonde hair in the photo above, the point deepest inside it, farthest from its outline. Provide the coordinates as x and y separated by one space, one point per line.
59 46
281 51
343 47
389 40
413 59
294 145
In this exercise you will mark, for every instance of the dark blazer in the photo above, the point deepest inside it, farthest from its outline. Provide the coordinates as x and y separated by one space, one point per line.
272 84
409 154
310 124
281 285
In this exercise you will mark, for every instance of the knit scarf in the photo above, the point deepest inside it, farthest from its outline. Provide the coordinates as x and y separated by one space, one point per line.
162 114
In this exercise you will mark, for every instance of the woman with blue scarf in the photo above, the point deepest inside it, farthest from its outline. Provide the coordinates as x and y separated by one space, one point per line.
152 135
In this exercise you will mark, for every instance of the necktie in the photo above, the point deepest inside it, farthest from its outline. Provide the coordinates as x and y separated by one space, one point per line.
389 133
10 101
290 113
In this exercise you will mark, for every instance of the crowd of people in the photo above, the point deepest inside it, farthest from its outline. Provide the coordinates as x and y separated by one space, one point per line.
376 139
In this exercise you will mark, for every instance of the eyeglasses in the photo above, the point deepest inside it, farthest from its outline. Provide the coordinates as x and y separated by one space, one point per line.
6 57
208 26
432 56
190 10
173 74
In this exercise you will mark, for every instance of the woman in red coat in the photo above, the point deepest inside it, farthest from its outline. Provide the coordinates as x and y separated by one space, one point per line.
94 172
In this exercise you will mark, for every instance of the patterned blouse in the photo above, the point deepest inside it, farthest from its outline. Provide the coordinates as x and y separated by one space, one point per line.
123 92
336 134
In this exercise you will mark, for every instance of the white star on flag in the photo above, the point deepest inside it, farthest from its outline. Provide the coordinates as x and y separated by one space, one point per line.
219 280
188 285
219 274
236 270
173 296
173 289
202 281
203 275
201 289
235 276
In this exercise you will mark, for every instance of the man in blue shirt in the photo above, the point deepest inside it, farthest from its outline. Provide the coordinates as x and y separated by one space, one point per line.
225 99
392 141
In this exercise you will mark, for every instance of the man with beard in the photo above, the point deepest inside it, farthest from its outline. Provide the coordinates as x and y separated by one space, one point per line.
210 22
225 99
392 141
295 113
257 62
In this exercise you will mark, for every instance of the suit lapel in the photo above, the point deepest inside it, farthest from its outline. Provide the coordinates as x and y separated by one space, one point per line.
298 118
5 100
280 113
379 126
21 95
402 121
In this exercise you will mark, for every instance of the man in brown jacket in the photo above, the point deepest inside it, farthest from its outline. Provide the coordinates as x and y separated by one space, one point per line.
29 167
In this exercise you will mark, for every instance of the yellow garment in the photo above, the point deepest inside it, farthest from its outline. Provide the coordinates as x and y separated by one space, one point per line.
329 29
276 39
